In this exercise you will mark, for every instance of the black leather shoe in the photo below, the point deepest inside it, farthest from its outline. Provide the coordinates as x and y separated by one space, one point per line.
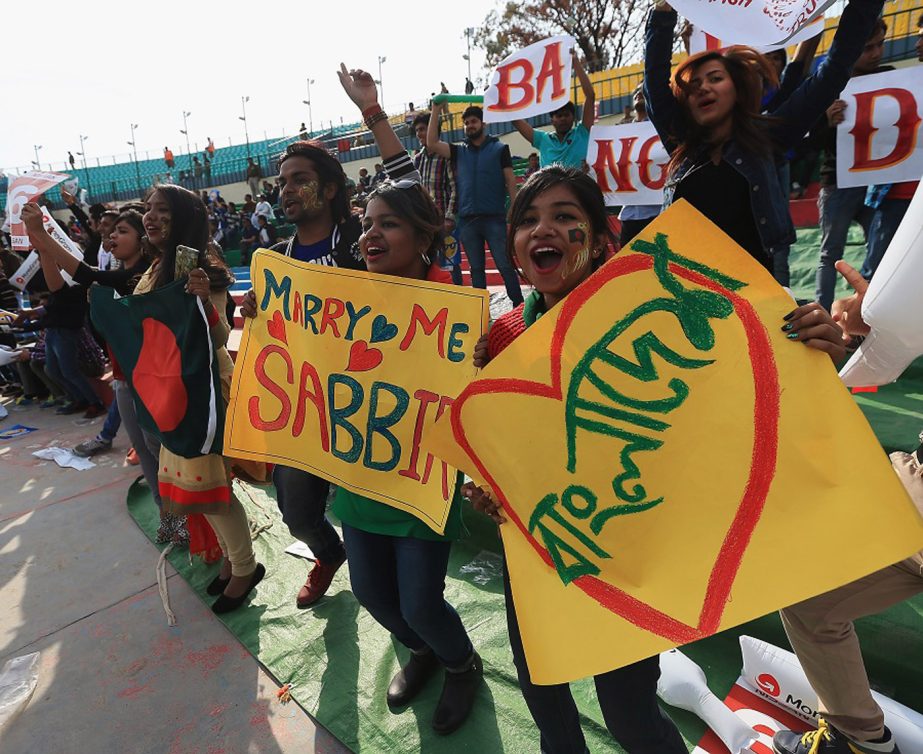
225 604
457 697
410 679
217 585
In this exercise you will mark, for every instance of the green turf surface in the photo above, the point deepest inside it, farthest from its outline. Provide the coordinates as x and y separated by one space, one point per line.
341 661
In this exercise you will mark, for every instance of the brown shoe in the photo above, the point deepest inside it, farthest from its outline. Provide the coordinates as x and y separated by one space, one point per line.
318 582
96 409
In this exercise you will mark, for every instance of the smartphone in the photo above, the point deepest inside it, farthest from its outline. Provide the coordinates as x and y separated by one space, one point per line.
187 259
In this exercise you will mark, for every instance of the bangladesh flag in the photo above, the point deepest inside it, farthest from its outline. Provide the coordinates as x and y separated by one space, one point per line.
162 342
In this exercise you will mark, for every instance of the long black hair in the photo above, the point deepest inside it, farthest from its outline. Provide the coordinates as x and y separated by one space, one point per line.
189 227
588 196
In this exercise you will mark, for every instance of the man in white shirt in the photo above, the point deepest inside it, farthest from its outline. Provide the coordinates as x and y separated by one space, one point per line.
264 208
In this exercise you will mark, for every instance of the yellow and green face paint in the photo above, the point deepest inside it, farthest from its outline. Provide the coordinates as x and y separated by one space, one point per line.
310 195
581 258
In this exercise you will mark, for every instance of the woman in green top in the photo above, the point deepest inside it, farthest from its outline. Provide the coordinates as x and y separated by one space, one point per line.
397 566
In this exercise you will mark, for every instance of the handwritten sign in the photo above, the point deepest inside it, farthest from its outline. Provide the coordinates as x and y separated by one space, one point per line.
31 263
24 188
701 41
629 162
759 23
532 81
879 141
343 374
662 444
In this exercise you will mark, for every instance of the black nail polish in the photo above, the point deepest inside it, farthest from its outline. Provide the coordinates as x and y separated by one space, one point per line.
788 316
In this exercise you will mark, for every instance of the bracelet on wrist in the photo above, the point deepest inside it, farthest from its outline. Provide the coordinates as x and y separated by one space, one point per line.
370 111
376 118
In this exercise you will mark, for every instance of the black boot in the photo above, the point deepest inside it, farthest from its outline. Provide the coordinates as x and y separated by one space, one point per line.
458 695
410 679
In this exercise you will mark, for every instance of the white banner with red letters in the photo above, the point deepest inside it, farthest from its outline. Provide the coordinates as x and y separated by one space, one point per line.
752 22
629 163
879 141
532 81
32 265
23 188
701 41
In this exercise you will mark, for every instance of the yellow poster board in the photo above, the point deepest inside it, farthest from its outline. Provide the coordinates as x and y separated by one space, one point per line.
343 374
669 462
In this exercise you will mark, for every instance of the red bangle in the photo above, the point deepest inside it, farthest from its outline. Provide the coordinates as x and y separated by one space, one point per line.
212 317
370 111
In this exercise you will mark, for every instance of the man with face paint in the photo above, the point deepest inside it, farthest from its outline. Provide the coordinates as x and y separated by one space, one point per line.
484 176
567 144
313 197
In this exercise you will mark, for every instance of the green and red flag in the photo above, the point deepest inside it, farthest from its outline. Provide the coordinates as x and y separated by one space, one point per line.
163 344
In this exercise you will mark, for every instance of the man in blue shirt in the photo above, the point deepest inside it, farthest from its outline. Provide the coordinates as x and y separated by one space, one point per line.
484 176
567 145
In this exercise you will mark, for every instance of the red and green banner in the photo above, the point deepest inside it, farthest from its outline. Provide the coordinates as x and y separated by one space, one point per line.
163 344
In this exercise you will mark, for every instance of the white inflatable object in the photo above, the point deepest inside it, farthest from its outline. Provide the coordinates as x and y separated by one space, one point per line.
682 683
777 675
893 307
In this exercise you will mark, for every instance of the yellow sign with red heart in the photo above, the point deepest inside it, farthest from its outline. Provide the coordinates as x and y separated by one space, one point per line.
669 462
344 373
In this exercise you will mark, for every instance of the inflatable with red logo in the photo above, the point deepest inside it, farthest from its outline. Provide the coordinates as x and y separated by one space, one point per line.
777 675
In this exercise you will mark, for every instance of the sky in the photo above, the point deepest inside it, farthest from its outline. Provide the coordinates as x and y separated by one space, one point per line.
111 65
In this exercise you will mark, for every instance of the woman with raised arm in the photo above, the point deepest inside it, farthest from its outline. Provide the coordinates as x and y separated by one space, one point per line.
397 564
723 151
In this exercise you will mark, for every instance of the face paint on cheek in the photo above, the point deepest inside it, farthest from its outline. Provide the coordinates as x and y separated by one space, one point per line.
310 195
579 259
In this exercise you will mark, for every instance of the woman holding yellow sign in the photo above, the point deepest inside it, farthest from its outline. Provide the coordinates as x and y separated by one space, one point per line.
397 565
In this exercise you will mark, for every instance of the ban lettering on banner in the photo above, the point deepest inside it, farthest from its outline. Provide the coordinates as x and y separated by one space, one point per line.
23 189
629 163
879 141
532 81
344 373
759 23
685 446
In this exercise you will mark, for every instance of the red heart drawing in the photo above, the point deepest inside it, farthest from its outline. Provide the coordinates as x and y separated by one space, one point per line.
276 327
362 358
762 468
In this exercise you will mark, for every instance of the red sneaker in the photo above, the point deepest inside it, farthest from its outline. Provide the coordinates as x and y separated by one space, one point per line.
318 582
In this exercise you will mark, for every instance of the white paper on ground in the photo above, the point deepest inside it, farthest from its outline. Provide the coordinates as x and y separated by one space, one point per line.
65 458
17 682
300 550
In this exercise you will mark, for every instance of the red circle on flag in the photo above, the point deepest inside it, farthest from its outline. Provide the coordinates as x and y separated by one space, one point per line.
158 376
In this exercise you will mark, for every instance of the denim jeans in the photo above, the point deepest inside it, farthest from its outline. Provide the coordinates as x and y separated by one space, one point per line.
473 233
113 418
780 267
302 500
146 445
62 366
884 225
400 581
627 698
839 207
